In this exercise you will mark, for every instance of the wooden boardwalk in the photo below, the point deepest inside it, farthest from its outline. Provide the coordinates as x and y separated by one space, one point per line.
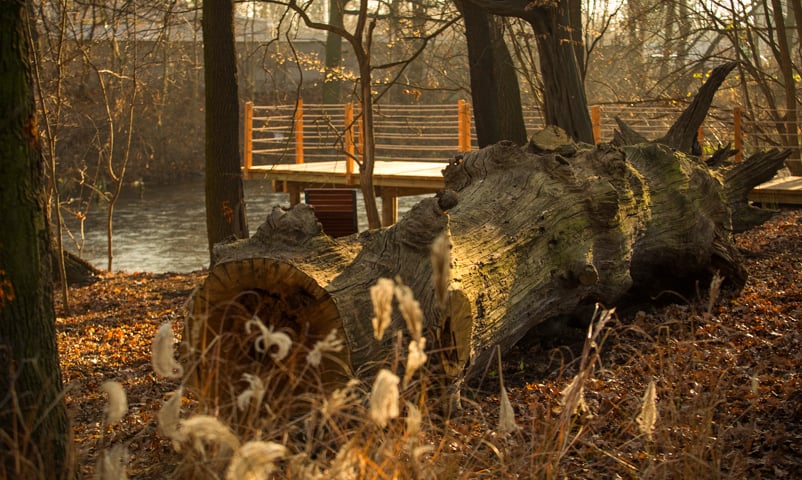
778 191
392 179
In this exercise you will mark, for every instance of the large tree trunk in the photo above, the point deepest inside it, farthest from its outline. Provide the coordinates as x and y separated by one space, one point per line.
494 84
534 237
225 203
564 99
333 84
538 233
34 429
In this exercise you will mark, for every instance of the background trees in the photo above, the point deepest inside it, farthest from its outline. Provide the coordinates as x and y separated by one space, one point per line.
644 52
362 36
33 422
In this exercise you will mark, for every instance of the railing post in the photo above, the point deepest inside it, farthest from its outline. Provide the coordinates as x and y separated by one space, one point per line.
700 137
299 131
349 143
247 150
595 120
467 122
460 127
359 128
463 126
738 139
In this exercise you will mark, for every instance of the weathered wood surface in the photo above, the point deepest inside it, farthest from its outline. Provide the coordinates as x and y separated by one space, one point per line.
535 236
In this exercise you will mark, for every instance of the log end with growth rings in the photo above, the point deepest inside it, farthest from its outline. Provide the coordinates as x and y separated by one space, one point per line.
240 319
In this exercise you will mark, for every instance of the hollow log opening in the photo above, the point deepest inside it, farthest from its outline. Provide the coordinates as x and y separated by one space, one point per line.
234 316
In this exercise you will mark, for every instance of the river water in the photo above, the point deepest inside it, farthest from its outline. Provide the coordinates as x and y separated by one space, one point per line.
163 228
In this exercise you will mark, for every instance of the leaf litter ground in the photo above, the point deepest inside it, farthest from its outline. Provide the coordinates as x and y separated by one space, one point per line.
728 379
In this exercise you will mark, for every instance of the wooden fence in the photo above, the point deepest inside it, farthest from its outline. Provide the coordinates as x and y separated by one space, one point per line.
299 133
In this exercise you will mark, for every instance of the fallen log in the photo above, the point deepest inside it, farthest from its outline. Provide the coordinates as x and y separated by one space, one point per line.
534 236
537 233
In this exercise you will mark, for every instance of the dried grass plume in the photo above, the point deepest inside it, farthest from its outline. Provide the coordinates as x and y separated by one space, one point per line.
118 402
339 399
384 398
441 268
416 358
381 295
204 429
255 460
253 394
268 338
162 358
506 414
647 418
410 309
111 464
168 419
332 343
572 398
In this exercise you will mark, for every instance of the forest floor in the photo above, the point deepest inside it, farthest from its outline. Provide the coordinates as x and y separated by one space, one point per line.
729 390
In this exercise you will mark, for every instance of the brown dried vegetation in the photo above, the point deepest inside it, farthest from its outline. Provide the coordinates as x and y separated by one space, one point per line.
729 394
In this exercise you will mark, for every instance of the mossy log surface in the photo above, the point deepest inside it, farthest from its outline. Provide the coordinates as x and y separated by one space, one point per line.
537 232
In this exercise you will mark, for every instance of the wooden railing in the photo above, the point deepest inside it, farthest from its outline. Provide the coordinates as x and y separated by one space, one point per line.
301 133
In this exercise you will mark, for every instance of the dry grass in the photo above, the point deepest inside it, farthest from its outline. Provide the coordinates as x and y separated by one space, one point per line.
725 401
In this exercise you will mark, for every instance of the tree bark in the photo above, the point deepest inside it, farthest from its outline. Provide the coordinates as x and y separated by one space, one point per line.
34 428
577 35
225 201
742 177
565 103
683 132
494 84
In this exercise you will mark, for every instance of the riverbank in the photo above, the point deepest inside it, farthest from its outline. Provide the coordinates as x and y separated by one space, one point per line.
163 228
729 390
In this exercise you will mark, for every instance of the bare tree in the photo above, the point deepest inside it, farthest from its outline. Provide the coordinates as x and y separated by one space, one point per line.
122 54
118 91
564 99
494 84
756 35
360 36
225 202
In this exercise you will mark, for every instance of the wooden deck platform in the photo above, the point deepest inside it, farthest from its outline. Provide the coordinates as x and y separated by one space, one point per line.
778 191
392 179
